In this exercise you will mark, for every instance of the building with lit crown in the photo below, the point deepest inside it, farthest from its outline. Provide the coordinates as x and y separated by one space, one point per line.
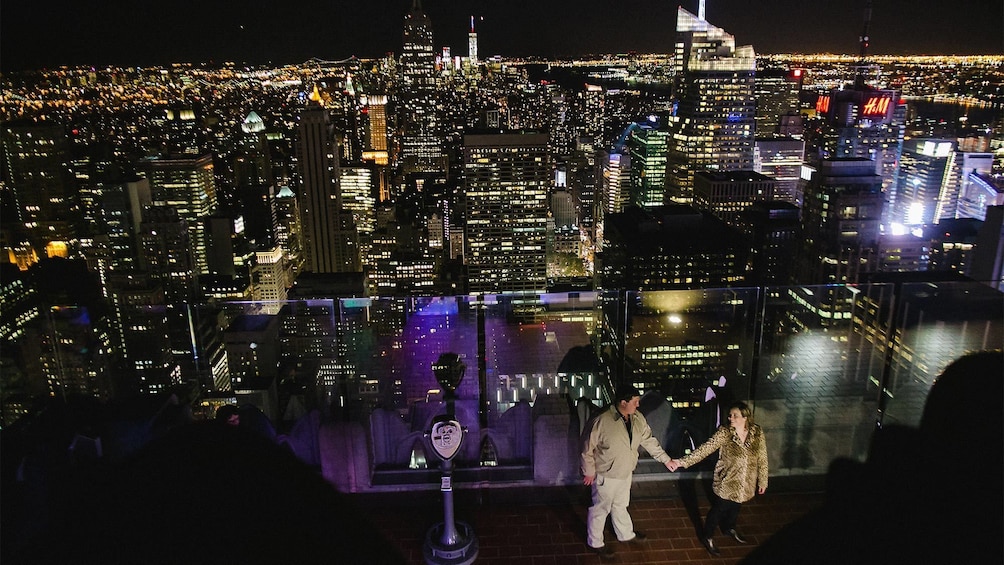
860 122
713 124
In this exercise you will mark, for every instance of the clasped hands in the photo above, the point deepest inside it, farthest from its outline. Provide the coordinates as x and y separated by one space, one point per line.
673 465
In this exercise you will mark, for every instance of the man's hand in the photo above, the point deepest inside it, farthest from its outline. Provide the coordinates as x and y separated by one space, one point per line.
672 465
588 479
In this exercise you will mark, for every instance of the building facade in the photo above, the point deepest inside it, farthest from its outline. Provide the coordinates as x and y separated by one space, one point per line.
507 177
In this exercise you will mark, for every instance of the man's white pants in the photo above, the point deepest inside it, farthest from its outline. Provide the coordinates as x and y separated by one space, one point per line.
610 497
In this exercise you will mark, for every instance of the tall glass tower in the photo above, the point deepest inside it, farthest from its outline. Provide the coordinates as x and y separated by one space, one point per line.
647 144
187 183
713 122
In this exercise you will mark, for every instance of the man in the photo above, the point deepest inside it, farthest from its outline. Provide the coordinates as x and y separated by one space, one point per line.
609 458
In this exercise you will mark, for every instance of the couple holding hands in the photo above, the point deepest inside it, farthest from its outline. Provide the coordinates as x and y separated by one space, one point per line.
610 455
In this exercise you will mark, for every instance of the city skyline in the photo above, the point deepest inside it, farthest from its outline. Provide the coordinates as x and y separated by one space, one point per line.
121 33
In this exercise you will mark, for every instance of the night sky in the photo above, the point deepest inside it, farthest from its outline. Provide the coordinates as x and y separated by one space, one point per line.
102 32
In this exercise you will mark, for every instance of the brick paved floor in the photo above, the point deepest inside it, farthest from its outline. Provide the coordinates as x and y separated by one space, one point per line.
534 526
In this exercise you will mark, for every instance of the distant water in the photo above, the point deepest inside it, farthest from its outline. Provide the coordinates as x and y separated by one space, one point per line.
951 112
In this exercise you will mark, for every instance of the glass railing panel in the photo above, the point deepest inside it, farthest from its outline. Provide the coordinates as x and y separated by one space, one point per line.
935 324
820 363
691 351
272 355
541 347
517 352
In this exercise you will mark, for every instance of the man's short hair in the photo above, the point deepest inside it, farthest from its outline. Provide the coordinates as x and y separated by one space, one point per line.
626 393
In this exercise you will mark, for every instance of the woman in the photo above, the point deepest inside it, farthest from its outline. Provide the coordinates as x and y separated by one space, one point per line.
741 470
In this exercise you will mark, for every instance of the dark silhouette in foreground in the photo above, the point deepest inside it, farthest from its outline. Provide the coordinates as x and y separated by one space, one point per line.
927 495
211 493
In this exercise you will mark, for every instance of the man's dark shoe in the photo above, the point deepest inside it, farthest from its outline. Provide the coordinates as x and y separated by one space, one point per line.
709 544
603 551
737 536
639 536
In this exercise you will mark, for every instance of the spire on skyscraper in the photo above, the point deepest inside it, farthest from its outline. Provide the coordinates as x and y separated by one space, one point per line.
315 95
472 44
859 79
416 9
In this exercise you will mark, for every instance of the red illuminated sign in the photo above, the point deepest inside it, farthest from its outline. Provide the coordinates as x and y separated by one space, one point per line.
823 104
876 106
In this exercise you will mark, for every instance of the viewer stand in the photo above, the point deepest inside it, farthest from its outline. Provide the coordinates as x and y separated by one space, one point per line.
451 542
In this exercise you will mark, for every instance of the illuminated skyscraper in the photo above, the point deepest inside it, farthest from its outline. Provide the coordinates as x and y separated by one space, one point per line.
37 161
421 149
591 113
672 247
613 194
924 173
330 240
186 184
253 182
76 352
648 145
142 315
167 254
614 180
356 186
506 183
95 173
376 149
776 96
840 216
859 122
713 124
376 112
287 223
961 166
120 217
781 158
728 194
774 231
271 276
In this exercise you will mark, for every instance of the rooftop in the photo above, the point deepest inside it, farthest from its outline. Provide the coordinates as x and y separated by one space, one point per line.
547 526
